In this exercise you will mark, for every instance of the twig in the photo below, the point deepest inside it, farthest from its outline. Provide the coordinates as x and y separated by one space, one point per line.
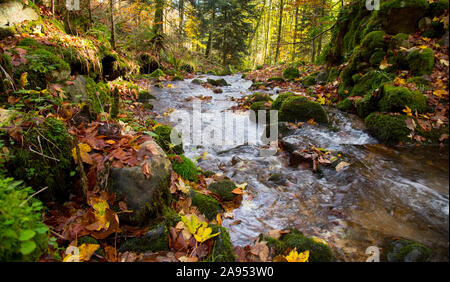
34 194
42 154
84 181
58 235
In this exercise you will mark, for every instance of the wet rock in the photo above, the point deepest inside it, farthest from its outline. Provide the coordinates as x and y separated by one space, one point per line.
277 178
322 77
224 189
217 90
445 39
407 251
217 82
13 12
155 240
78 90
295 109
147 195
401 16
197 81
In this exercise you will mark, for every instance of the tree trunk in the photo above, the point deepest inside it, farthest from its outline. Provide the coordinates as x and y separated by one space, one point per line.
295 33
280 23
181 12
211 28
267 38
113 27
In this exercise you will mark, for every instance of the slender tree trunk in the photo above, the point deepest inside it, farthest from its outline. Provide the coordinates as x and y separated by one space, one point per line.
295 33
211 28
267 38
181 12
90 11
280 23
53 8
113 25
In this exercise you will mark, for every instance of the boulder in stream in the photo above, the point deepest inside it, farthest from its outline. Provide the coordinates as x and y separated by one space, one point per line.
295 109
147 196
218 82
402 250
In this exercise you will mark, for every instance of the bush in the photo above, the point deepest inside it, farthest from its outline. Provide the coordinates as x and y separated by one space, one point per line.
23 236
184 167
297 108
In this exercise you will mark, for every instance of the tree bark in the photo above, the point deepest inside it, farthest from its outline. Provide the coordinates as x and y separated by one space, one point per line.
280 23
113 28
211 27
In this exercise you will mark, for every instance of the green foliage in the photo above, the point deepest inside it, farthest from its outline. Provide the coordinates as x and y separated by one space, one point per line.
396 98
296 109
186 168
222 249
224 189
207 205
291 73
23 236
163 139
421 61
157 73
99 94
276 105
388 129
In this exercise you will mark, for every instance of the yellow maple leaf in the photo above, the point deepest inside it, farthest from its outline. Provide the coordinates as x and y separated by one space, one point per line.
440 92
100 206
84 153
294 256
321 100
204 233
407 111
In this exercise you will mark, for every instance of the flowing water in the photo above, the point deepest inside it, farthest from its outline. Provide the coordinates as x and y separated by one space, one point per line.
385 192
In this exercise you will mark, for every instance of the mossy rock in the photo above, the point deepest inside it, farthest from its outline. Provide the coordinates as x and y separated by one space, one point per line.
275 79
318 251
99 94
217 82
224 189
420 82
163 139
7 31
291 73
407 251
157 73
260 106
144 96
222 250
333 73
396 98
197 81
207 205
276 105
296 109
377 57
185 168
260 97
374 40
437 8
309 80
388 129
421 61
400 40
154 240
38 171
401 16
369 82
367 105
345 105
178 78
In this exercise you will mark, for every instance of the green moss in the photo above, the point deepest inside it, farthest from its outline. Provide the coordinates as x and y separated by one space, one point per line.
419 81
157 73
222 249
7 31
374 40
187 68
143 96
259 97
408 251
291 73
333 73
39 171
345 105
217 82
155 240
99 94
23 236
276 105
437 8
260 106
309 80
367 105
275 79
207 205
376 58
197 81
400 40
421 61
388 129
178 78
186 168
396 98
318 252
369 82
296 109
224 189
163 139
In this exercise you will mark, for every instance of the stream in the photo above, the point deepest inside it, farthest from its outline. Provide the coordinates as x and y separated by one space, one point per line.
385 192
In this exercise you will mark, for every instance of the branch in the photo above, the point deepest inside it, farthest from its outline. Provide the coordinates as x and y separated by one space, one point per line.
309 40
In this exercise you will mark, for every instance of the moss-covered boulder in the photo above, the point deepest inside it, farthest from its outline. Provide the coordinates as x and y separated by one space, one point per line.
401 16
420 81
224 189
197 81
374 40
396 98
184 167
400 40
259 97
154 240
222 250
345 105
297 108
421 61
157 73
275 79
402 250
291 73
309 80
163 139
276 105
367 105
388 129
217 82
146 195
207 205
319 251
144 96
370 81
